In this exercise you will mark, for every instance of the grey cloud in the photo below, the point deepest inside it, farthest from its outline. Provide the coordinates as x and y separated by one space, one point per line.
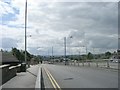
90 18
83 16
103 42
93 16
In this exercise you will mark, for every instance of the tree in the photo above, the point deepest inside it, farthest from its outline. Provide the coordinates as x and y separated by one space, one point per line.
20 55
90 56
16 53
108 54
1 50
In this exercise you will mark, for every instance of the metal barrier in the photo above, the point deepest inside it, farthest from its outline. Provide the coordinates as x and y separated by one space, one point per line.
92 63
95 63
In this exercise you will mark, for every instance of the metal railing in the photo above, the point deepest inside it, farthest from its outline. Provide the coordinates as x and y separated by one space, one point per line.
92 63
95 63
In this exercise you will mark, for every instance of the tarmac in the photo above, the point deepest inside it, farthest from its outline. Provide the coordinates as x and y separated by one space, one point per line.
23 79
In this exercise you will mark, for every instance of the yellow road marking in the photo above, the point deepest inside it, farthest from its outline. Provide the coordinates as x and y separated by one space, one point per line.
50 79
53 81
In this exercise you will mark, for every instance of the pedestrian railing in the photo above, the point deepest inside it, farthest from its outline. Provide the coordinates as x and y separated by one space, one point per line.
95 63
92 63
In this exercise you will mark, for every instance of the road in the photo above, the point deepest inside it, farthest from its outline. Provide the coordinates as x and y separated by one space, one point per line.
79 77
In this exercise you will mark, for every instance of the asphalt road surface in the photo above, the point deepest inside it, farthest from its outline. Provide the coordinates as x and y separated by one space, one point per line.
78 77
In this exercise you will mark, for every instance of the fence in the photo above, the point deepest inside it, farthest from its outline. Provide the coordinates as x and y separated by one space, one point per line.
97 63
92 63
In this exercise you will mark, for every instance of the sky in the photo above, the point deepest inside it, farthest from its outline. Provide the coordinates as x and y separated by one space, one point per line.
92 25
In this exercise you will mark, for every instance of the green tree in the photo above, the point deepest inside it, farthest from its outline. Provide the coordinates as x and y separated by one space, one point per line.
20 55
108 54
16 53
90 56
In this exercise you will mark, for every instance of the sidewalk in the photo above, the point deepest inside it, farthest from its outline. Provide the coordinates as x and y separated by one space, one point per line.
24 79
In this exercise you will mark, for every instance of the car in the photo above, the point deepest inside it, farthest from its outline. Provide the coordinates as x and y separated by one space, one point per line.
115 60
50 62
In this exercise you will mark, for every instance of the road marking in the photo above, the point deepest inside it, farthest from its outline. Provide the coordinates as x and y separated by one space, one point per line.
53 81
50 79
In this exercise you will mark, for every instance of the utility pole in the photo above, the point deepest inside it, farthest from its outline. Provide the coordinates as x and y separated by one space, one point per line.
25 32
65 49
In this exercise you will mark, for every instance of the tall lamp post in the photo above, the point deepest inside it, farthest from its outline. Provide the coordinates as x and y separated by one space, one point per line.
25 32
65 50
70 48
52 55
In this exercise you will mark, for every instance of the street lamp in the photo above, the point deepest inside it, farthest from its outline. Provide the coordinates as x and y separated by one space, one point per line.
39 54
65 49
52 55
70 48
25 32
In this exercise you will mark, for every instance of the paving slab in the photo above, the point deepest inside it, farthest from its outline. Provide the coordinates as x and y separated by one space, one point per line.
24 79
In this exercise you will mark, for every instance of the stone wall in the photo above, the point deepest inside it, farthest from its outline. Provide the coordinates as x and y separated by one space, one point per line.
8 72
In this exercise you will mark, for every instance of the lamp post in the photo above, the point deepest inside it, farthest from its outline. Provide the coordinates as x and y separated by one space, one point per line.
65 49
25 32
39 55
52 55
70 48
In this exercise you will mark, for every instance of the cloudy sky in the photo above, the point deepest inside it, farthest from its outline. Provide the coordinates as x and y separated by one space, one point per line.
91 24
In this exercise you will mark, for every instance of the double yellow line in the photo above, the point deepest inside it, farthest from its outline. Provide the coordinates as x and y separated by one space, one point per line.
52 80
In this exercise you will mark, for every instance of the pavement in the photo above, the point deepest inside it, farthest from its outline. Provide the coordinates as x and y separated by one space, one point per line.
24 79
79 77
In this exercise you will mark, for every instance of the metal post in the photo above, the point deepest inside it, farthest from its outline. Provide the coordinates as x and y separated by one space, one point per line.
86 51
25 32
65 49
52 54
71 50
79 58
108 65
48 52
97 63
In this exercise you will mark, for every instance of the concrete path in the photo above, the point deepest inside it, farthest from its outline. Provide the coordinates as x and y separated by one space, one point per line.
24 79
